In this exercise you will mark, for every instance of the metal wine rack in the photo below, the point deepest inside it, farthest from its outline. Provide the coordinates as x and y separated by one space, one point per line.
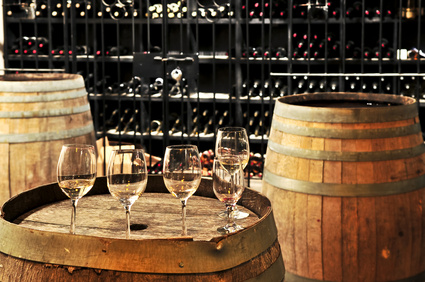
164 72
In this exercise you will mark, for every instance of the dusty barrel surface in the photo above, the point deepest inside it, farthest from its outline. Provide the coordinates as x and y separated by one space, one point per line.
35 239
346 177
38 114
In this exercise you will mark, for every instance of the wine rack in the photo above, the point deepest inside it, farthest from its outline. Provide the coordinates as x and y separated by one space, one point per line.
163 72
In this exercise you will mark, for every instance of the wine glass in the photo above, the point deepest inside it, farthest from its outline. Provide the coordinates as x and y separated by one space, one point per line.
232 144
127 177
76 174
182 173
228 188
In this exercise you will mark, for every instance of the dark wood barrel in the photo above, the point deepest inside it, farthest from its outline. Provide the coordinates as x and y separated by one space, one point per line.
346 177
35 240
38 114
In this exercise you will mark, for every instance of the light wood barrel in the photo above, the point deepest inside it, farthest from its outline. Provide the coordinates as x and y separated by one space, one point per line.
35 239
345 174
38 114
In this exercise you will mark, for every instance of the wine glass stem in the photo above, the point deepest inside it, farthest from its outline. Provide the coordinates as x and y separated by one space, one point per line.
73 216
127 215
230 218
184 228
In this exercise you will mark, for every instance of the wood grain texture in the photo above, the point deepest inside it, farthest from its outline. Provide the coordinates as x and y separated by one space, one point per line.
32 162
36 244
329 237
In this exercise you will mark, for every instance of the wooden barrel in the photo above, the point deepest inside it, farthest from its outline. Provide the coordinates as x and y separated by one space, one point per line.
35 239
345 174
38 114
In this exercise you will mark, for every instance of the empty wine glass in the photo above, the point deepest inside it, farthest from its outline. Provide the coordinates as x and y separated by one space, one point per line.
232 144
76 174
182 173
228 188
127 178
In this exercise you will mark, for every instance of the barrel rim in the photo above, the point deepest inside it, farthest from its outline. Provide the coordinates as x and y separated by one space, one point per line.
347 96
35 77
40 82
404 108
106 253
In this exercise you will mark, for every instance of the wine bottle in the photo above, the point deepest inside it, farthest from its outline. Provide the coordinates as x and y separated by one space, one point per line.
283 91
322 85
301 45
355 10
116 51
383 42
368 54
299 11
389 53
257 52
369 13
312 85
349 48
336 13
269 53
281 52
376 52
334 51
118 11
253 92
333 85
302 85
41 9
130 122
377 12
375 87
113 118
178 127
209 127
317 13
156 127
296 53
224 119
122 121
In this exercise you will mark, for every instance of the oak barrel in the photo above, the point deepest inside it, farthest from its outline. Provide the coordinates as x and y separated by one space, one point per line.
38 114
346 177
35 239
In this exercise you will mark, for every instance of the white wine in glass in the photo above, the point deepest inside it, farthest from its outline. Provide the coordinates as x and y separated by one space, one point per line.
127 178
182 174
232 145
228 188
76 173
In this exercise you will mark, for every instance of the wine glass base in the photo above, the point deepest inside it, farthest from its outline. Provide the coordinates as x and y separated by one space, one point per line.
229 228
237 214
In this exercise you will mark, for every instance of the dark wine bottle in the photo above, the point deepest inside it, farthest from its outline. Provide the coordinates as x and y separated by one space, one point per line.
336 13
333 85
369 13
41 9
368 54
281 52
122 121
257 52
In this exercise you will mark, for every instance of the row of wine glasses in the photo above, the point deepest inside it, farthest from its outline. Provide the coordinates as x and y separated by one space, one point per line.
182 171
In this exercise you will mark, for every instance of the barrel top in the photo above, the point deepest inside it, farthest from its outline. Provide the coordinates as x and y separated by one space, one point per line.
42 216
40 82
22 77
346 107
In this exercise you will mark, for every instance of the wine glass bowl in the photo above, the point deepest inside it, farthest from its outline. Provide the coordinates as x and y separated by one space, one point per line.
182 173
76 173
231 142
228 188
127 178
232 146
